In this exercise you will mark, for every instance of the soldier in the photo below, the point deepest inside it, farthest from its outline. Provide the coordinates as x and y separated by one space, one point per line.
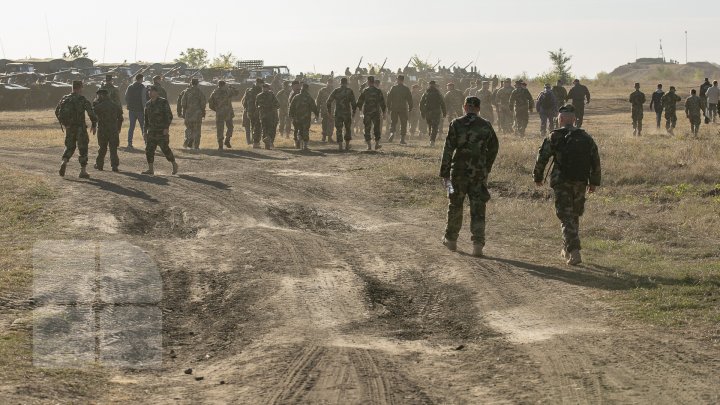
400 104
576 170
703 94
158 117
473 89
110 118
302 107
578 94
495 82
267 106
432 110
560 92
521 102
372 103
157 82
504 108
295 89
414 115
135 98
345 106
547 107
656 103
713 96
468 155
326 116
283 97
193 106
221 102
637 99
253 118
693 111
71 111
669 102
113 92
454 100
486 102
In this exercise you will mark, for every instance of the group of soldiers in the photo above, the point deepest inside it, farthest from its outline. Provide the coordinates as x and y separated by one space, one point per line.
697 106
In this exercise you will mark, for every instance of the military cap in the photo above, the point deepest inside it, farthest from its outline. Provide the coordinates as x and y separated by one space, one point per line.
567 108
154 88
401 77
77 83
294 82
432 82
671 87
371 78
473 101
221 83
195 81
343 80
266 85
637 84
485 82
108 77
508 80
157 78
101 91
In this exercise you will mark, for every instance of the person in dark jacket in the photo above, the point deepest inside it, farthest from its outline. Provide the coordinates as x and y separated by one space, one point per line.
656 104
110 118
135 99
158 117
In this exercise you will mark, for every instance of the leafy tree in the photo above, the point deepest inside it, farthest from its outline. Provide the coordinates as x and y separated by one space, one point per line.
75 51
420 65
224 61
196 58
560 61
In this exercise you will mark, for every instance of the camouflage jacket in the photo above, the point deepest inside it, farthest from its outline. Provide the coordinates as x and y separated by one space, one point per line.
372 101
669 101
77 106
693 106
521 100
158 115
193 104
113 93
344 99
578 94
322 98
250 98
637 99
454 100
502 97
560 93
586 156
267 104
109 115
400 98
302 107
179 102
416 96
486 99
221 101
160 89
283 97
432 102
470 149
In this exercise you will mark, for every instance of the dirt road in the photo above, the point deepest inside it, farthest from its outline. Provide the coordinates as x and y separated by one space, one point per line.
288 277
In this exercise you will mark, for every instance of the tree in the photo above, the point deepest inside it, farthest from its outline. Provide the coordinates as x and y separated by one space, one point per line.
75 51
224 61
561 69
420 65
195 58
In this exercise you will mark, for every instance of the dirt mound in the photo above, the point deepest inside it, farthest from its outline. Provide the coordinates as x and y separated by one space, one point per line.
642 72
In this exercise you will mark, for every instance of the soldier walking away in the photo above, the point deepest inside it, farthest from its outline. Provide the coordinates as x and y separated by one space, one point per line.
283 97
504 109
71 111
560 95
637 100
295 89
135 99
193 105
372 104
109 118
187 142
703 94
414 115
302 107
547 107
713 96
468 155
669 103
326 116
454 101
345 107
693 111
221 102
521 102
495 82
253 118
158 117
576 170
579 95
400 104
157 82
656 104
267 107
113 92
486 102
432 110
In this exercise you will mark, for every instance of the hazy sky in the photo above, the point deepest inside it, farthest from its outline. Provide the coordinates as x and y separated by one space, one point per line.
505 37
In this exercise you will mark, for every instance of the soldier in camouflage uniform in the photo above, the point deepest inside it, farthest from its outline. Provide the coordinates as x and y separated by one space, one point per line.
504 109
637 100
547 107
326 114
560 92
470 150
221 102
345 106
113 92
400 104
486 102
579 95
250 106
521 102
158 117
372 104
187 143
283 97
71 111
110 118
414 115
669 102
454 100
576 170
474 88
295 89
693 111
432 110
302 107
267 106
193 106
157 82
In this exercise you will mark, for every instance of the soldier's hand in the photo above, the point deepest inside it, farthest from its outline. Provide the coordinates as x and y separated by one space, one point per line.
166 131
591 189
94 129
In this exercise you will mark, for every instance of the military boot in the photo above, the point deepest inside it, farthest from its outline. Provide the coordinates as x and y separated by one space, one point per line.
83 173
369 145
347 145
340 146
268 145
564 254
634 132
450 244
297 144
150 171
256 145
175 168
478 250
227 143
63 166
220 145
402 141
574 258
377 144
305 145
97 167
391 137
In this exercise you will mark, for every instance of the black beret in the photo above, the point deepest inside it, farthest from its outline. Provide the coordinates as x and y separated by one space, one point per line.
371 78
101 91
432 82
401 77
344 80
221 83
108 77
77 83
154 88
567 108
295 82
473 101
194 81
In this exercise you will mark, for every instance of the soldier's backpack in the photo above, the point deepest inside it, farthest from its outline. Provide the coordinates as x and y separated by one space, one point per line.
574 155
68 113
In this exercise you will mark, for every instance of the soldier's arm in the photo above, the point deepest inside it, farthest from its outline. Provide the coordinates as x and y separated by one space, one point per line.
587 94
361 100
168 113
390 94
147 117
595 170
448 151
331 98
493 146
543 157
90 112
383 106
119 117
409 99
443 107
275 102
353 102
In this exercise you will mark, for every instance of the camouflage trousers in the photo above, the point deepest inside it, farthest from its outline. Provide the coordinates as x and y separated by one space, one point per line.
670 119
433 122
77 138
637 117
195 132
372 122
579 113
521 120
269 129
695 120
486 112
546 119
402 117
221 122
478 194
569 207
302 128
255 124
154 139
505 119
107 139
343 123
328 125
285 122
